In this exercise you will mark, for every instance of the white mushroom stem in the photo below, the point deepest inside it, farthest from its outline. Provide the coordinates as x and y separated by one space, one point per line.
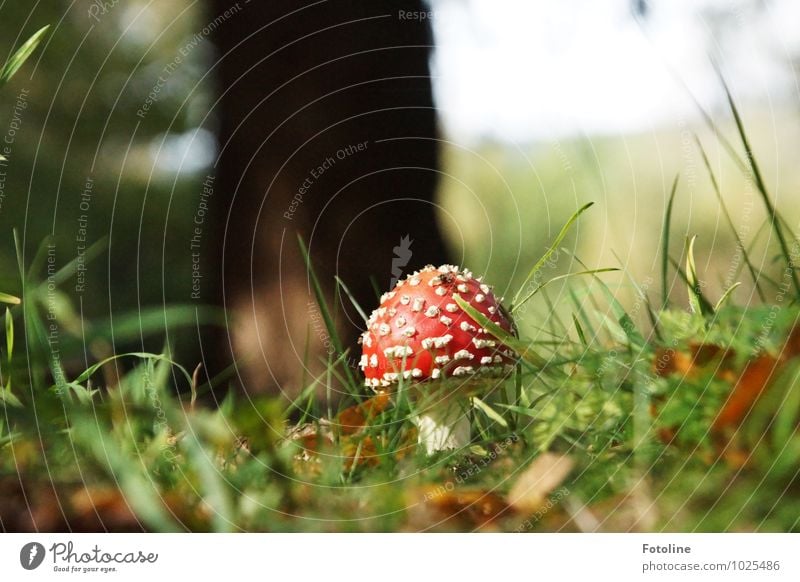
442 427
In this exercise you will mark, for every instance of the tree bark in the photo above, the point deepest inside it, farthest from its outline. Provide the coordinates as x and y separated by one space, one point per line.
327 132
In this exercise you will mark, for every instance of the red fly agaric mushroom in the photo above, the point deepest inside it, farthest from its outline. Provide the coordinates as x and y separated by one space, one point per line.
420 334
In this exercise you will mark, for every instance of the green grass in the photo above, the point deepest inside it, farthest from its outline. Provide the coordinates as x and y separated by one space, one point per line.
619 417
639 433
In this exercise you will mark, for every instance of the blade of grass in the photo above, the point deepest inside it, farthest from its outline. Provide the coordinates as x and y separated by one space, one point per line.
489 411
665 244
725 297
642 294
560 278
522 349
90 371
18 58
352 299
623 317
549 252
9 324
678 269
693 285
775 219
10 299
582 315
579 330
323 307
729 220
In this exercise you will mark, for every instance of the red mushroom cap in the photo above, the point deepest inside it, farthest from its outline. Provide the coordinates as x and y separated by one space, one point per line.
419 332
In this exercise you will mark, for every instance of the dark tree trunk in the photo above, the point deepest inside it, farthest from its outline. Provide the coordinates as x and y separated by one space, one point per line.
328 132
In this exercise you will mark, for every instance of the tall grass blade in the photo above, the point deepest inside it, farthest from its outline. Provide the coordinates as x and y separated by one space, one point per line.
775 220
729 220
549 253
665 245
330 324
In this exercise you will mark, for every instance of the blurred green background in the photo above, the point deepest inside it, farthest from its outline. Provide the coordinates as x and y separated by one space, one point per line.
83 121
89 162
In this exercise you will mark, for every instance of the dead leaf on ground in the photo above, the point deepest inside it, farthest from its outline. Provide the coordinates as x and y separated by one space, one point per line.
448 507
748 388
690 363
102 508
541 478
353 419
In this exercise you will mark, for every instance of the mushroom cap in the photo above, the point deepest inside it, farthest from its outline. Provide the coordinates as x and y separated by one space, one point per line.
419 332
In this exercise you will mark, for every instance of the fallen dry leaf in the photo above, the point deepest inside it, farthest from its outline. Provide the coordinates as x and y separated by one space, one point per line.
353 419
450 507
542 476
748 388
690 363
102 508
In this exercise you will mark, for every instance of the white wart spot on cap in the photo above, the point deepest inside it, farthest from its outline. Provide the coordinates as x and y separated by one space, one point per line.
462 288
463 355
384 329
413 281
436 342
419 303
445 320
432 311
483 343
398 352
373 361
466 326
386 296
451 307
405 299
463 371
